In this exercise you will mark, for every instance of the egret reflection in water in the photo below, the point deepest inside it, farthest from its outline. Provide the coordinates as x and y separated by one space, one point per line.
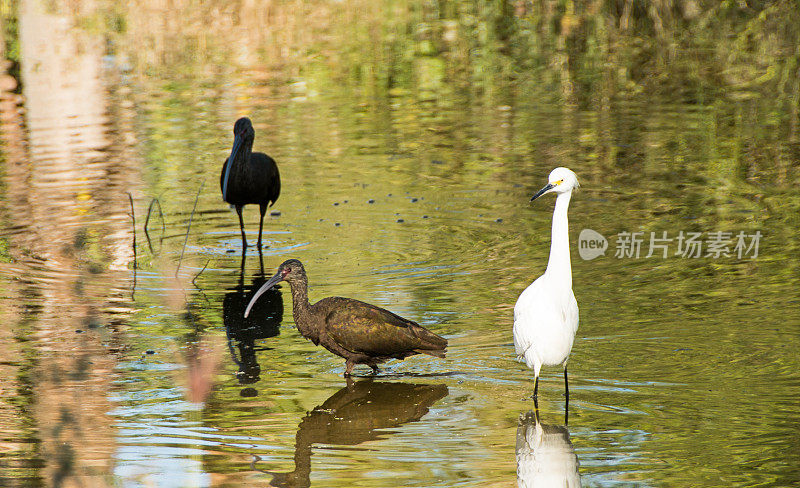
242 333
545 455
361 411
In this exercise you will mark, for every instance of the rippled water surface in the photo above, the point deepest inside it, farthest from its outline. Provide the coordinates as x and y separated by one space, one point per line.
410 137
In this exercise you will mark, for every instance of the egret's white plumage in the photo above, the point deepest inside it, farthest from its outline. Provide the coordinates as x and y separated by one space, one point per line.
546 313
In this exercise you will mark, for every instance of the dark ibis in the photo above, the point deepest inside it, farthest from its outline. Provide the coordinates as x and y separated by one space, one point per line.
359 332
249 177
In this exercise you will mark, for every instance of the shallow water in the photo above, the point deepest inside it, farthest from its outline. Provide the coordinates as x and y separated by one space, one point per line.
407 164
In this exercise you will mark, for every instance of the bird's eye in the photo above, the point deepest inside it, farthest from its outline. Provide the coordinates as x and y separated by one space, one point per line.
558 182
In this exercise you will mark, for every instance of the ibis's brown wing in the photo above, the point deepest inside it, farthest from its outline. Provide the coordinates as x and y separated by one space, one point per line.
363 328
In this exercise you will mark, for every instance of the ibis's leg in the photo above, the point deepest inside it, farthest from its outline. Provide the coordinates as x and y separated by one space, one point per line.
348 368
566 383
536 388
241 225
263 209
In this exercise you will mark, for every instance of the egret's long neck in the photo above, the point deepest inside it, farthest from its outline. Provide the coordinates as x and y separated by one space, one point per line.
559 266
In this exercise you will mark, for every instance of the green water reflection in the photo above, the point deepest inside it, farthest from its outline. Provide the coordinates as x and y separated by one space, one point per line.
410 137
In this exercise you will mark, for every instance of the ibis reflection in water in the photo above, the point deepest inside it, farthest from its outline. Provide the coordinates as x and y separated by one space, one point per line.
545 455
360 412
359 332
249 177
243 332
546 313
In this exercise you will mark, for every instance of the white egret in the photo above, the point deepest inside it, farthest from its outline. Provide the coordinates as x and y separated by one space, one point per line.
546 313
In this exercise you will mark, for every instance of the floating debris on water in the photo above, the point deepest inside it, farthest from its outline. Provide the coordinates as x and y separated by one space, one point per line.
248 392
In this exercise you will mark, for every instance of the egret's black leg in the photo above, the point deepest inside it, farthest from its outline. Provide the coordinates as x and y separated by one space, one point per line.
536 388
241 225
263 209
566 394
375 369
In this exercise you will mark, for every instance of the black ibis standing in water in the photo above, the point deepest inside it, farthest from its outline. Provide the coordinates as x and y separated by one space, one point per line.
249 177
359 332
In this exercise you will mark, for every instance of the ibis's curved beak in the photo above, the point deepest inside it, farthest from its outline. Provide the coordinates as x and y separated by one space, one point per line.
237 144
544 190
266 286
